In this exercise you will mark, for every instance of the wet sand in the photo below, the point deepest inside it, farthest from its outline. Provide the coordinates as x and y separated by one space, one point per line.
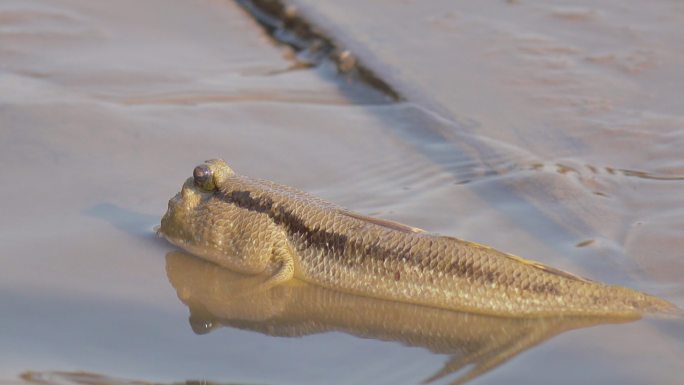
105 109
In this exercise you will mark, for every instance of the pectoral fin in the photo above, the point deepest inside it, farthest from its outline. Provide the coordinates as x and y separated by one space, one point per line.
283 258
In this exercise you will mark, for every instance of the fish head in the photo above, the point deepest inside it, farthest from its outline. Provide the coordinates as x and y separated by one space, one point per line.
179 223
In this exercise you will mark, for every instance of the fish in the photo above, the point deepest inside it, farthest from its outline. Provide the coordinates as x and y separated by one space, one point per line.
259 227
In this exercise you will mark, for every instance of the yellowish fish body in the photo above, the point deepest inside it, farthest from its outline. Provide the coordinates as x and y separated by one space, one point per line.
256 226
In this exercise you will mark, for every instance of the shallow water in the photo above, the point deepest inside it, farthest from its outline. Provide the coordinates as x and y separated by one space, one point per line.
105 109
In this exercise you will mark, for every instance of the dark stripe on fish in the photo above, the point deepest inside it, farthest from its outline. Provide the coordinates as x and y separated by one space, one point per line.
340 247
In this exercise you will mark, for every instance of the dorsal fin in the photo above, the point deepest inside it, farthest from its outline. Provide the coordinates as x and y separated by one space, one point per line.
528 262
383 222
546 268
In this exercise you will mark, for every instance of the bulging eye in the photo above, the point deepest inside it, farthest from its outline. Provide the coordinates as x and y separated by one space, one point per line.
204 177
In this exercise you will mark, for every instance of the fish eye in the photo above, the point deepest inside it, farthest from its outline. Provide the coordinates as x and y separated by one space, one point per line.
203 177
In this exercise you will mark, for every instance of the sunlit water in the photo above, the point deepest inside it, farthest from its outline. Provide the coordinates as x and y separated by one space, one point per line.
106 107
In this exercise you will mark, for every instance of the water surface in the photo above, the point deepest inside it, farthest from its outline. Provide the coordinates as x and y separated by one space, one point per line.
106 107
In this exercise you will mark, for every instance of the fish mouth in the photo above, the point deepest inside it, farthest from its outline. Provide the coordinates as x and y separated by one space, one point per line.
174 223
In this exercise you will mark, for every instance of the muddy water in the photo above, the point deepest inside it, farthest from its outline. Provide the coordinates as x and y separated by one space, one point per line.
106 107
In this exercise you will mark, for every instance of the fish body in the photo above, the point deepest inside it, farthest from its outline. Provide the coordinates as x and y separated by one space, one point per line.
257 226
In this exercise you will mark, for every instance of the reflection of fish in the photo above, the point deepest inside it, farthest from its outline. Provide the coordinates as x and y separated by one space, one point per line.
256 226
218 296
